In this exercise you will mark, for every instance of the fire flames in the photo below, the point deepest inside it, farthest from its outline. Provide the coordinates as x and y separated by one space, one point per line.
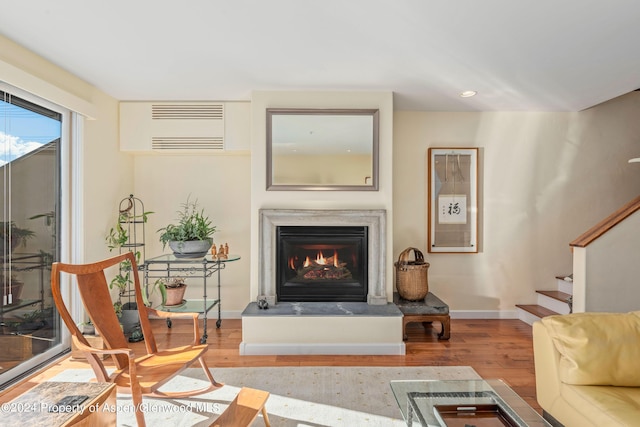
320 268
321 260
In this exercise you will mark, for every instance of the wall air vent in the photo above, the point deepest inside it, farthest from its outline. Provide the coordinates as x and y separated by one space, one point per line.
187 143
172 126
187 112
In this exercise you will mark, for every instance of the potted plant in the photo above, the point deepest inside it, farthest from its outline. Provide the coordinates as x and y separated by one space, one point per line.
87 328
126 311
17 236
172 290
119 239
192 235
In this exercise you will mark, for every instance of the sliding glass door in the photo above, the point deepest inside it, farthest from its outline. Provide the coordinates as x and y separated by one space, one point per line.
31 134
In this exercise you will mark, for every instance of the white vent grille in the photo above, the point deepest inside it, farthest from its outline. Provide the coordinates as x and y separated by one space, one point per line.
173 126
187 112
187 143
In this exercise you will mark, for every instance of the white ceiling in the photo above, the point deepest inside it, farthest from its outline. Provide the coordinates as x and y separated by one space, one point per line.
548 55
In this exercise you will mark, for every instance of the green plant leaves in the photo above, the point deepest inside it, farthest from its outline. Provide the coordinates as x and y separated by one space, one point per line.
192 224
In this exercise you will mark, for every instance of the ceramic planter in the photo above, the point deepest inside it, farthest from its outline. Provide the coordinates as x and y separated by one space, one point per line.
175 296
191 248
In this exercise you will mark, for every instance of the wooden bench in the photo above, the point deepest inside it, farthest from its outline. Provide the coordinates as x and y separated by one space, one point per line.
244 409
431 309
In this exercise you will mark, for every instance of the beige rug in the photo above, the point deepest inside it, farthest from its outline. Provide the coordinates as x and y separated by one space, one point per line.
300 396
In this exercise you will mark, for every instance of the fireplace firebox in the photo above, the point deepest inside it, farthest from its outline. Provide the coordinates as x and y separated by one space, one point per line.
321 263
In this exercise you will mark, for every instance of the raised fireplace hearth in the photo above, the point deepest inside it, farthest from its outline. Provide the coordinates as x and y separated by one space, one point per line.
331 239
278 282
321 263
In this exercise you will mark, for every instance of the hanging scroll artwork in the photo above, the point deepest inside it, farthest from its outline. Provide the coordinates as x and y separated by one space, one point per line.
453 200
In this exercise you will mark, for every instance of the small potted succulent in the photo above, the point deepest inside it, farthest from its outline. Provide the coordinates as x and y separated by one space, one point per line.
172 290
191 237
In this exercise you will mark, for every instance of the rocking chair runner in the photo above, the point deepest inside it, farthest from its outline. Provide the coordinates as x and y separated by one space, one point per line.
142 375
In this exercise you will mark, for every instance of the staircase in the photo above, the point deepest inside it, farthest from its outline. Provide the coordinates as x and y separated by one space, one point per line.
550 302
624 243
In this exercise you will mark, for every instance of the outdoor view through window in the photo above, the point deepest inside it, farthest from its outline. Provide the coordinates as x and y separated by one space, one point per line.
29 161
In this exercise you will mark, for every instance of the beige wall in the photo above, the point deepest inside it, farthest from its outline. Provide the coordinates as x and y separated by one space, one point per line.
108 177
548 177
221 184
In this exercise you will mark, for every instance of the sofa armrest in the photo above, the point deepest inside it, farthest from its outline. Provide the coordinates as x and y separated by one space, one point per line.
547 360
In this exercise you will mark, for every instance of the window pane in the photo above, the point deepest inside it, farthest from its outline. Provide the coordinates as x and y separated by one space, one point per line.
29 179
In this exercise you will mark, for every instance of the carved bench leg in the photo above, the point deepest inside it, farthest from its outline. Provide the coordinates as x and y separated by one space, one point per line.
426 320
445 334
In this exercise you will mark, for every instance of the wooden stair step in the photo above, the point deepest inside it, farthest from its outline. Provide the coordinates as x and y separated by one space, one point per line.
536 310
557 295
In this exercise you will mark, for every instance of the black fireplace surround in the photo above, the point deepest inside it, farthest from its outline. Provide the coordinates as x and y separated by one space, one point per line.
321 263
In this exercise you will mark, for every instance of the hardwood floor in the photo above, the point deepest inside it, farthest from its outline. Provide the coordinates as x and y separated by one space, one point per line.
494 348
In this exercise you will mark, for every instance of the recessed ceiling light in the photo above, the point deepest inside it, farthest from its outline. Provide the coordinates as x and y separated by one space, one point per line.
468 93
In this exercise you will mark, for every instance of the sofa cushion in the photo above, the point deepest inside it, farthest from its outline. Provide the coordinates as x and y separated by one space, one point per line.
597 348
604 405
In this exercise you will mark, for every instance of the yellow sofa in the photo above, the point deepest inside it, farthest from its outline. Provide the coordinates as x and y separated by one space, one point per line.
588 368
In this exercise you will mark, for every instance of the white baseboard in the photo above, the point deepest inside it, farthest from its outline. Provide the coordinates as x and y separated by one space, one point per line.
260 349
483 314
225 314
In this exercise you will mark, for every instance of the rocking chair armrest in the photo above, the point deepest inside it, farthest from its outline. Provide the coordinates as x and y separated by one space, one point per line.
87 348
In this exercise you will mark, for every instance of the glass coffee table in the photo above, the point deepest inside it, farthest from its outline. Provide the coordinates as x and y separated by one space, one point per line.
432 403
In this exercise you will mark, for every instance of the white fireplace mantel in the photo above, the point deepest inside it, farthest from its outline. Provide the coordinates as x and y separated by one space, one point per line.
374 219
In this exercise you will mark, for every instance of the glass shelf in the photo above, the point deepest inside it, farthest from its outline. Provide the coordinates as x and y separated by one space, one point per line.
189 306
206 259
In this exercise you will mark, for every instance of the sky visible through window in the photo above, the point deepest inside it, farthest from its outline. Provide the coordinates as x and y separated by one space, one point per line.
22 131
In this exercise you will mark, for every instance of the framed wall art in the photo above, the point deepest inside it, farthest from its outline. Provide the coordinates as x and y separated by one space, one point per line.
453 200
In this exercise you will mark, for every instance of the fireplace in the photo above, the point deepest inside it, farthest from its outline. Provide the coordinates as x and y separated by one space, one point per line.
373 220
321 263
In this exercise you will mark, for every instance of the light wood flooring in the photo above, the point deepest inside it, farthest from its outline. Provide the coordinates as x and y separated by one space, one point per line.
494 348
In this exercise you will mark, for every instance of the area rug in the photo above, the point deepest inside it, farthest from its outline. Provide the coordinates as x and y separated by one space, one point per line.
300 396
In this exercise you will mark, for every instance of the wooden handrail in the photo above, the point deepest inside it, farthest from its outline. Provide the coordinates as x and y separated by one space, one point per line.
606 224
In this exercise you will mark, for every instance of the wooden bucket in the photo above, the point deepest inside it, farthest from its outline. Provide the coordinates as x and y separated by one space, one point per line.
411 276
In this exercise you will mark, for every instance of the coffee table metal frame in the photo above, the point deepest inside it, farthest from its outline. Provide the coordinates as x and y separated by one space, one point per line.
416 400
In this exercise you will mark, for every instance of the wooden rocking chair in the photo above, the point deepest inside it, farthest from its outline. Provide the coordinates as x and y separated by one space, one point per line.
142 375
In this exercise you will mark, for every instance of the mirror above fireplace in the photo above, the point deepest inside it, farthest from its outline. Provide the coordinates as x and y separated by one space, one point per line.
322 149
